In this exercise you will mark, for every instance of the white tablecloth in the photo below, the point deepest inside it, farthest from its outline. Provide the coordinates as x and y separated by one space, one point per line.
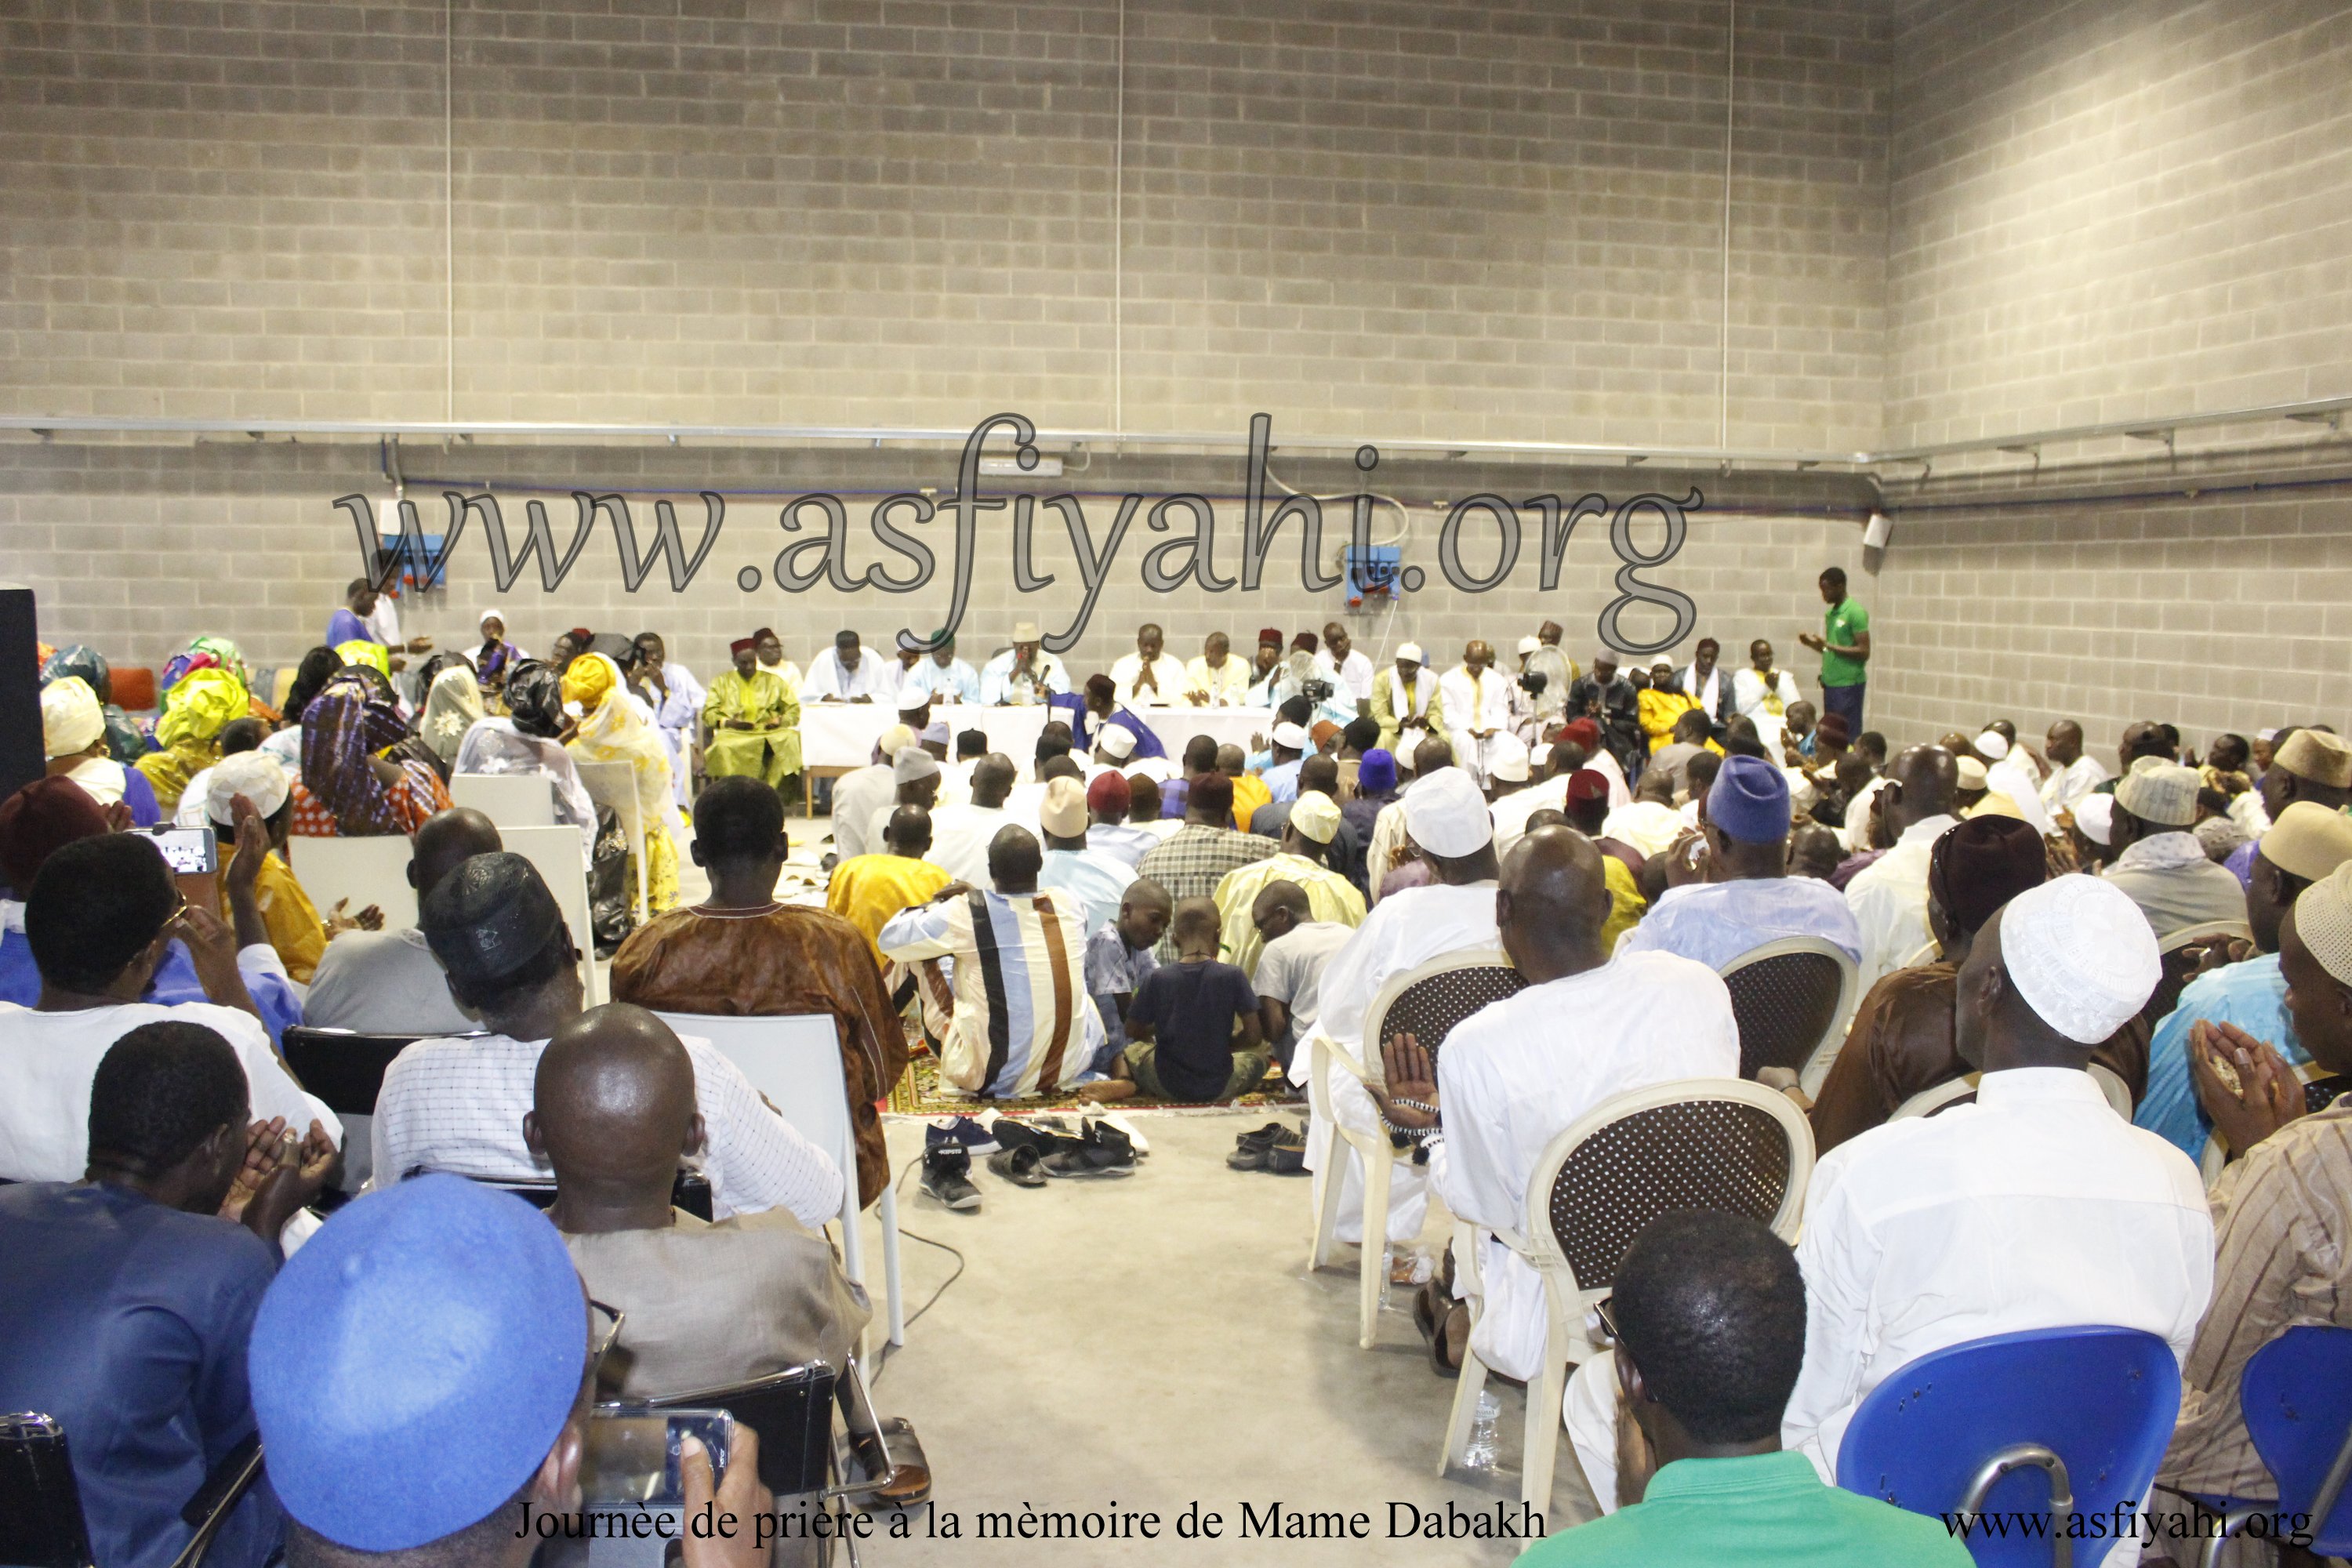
841 734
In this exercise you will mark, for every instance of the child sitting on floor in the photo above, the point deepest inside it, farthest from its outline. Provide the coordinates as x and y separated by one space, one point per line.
1182 1040
1118 959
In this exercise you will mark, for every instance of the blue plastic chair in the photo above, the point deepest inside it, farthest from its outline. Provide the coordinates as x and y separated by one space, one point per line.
2051 1421
2296 1394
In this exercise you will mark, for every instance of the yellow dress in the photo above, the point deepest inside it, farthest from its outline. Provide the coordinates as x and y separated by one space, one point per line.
1250 791
1658 712
867 889
198 704
296 932
771 754
613 730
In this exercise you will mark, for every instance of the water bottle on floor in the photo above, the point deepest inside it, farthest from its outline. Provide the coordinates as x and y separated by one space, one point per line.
1478 1452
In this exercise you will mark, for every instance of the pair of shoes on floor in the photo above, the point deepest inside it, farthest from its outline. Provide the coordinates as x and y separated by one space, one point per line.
1274 1148
1045 1148
972 1137
947 1175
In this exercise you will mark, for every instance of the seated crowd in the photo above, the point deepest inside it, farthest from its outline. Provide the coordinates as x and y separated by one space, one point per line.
1128 915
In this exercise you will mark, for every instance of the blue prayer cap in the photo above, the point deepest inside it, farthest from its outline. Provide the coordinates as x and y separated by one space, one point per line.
413 1365
1376 772
1749 801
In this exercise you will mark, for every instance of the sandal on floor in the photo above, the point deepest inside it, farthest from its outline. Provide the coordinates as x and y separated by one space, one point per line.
1444 1353
909 1484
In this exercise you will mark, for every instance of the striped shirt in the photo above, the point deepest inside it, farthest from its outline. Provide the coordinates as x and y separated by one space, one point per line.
2284 1217
1021 1022
457 1105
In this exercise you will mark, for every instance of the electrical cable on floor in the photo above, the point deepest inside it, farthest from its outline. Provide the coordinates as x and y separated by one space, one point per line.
882 1361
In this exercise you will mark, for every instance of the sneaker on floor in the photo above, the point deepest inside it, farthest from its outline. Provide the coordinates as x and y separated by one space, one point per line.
1105 1144
1259 1138
962 1131
1015 1133
1286 1155
947 1177
1135 1139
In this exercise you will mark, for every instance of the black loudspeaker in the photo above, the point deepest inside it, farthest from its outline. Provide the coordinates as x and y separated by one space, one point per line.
23 757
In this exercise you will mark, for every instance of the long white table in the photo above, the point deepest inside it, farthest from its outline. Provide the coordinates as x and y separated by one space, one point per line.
837 736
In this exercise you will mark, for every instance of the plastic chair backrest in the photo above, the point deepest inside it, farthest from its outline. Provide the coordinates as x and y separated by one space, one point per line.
2103 1399
689 1189
2296 1393
1429 1000
613 784
510 800
1961 1090
373 870
555 851
2179 952
795 1061
343 1069
1723 1144
1786 996
793 1413
41 1520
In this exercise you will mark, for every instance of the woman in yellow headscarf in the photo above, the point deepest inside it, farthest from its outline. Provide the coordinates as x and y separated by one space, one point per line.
194 708
611 729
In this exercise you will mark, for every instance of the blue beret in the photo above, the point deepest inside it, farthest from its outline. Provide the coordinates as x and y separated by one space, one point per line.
413 1365
1749 801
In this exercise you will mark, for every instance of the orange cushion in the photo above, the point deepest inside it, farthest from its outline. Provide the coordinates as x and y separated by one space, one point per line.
134 686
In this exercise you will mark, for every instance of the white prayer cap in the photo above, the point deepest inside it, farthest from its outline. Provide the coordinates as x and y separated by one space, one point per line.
2323 922
1529 645
492 614
1316 816
1291 737
895 738
257 775
70 717
1539 756
1445 814
1992 745
1506 759
1412 651
1025 631
2081 954
1063 811
1971 771
2308 840
2096 815
1117 740
2161 793
912 762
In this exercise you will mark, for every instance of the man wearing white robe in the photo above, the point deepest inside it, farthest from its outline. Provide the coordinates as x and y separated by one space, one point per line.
1478 703
2073 774
1515 1075
1762 690
1150 677
1446 816
1889 895
2036 1207
1345 667
2008 774
846 672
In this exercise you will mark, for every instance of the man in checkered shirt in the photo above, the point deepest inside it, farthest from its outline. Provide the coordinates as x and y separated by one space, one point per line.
1197 856
458 1104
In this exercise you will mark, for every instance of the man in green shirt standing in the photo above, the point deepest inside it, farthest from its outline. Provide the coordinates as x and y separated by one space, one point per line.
1709 1315
1843 643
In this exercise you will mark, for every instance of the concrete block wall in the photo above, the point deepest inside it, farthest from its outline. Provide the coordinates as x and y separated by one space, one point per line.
2101 210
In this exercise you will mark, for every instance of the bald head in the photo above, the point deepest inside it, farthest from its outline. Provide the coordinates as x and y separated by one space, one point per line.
613 1108
1230 760
1432 755
1551 902
1922 782
908 832
991 779
1015 859
1281 907
448 839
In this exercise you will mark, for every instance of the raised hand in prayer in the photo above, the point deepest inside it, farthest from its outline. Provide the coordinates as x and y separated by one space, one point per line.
1636 1460
2242 1083
1411 1078
118 817
1813 640
282 1173
2217 954
740 1493
212 949
368 919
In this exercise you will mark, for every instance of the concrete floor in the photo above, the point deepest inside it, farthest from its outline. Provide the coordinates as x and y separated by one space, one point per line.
1155 1341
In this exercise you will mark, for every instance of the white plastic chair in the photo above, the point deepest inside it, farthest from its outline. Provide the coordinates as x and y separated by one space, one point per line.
363 871
1375 1148
1928 1102
1567 1301
795 1062
2204 930
510 800
614 785
555 851
1763 1005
